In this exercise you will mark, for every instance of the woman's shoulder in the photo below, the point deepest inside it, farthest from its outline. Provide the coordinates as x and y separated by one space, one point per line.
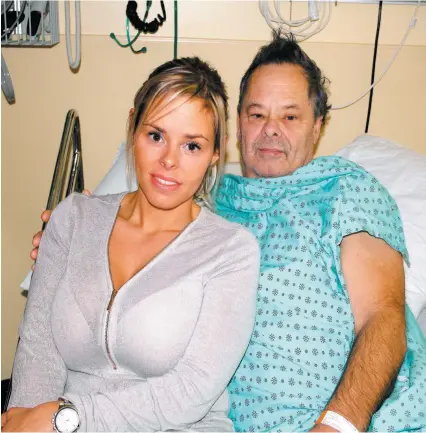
229 232
76 201
77 206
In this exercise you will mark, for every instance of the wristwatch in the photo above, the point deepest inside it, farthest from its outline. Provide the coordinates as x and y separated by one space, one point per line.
66 419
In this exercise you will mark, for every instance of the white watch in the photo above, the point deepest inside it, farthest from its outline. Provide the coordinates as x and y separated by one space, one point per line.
66 419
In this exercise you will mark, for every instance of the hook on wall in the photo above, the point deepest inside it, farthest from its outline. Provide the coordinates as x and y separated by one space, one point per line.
130 42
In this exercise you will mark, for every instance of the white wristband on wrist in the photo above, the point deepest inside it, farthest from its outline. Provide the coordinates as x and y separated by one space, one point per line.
338 422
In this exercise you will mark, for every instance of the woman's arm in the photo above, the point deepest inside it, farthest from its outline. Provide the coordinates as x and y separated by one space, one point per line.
185 394
39 373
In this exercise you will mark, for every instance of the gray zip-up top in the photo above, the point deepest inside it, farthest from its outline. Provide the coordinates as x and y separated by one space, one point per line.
159 357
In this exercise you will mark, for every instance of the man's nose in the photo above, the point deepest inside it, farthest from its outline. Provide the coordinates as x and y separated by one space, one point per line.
271 128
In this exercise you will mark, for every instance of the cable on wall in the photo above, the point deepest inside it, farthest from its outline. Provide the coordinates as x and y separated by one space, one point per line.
6 82
73 63
175 41
411 26
373 69
319 13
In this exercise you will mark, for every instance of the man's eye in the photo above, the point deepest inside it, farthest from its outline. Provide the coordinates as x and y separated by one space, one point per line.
291 117
155 136
256 116
193 146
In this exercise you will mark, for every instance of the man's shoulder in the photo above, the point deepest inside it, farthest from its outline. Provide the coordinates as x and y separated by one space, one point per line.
349 176
341 165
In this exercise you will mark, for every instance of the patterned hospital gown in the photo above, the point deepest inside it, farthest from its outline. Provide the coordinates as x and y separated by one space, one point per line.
304 328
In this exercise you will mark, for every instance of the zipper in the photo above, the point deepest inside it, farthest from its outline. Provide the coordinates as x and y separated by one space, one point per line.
114 292
114 366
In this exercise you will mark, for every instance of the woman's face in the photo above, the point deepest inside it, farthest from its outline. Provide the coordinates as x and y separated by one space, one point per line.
173 149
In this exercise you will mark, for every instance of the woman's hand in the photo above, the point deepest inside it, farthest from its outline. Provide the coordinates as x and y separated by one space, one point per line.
37 419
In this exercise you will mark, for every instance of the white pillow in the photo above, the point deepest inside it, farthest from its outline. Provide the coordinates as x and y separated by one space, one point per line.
115 180
403 173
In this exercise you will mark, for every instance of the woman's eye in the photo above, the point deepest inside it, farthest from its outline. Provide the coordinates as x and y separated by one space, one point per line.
193 147
155 136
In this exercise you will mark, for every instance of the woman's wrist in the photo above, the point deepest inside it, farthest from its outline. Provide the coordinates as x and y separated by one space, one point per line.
46 411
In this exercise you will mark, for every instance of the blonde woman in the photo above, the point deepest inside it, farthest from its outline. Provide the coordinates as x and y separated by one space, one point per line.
142 304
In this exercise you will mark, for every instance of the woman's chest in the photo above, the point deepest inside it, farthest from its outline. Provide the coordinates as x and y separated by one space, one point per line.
144 330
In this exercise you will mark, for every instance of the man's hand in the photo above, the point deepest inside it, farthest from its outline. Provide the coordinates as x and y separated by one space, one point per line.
45 216
37 419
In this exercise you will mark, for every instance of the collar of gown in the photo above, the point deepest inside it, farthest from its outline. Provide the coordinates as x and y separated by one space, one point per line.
260 194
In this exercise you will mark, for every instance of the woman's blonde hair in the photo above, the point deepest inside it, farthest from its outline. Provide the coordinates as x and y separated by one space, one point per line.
187 77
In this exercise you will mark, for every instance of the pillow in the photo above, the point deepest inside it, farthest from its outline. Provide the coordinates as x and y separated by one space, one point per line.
403 173
115 180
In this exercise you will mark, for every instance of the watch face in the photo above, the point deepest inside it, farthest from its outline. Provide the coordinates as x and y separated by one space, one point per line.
67 420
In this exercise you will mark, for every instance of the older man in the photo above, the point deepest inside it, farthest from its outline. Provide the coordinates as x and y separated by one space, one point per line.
334 346
330 334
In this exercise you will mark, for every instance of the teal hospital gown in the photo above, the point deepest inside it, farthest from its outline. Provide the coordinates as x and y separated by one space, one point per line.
304 329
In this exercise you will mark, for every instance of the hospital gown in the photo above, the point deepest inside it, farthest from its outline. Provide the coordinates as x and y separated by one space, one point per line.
304 328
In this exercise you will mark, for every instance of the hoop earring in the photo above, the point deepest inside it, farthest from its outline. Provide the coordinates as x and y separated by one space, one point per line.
210 179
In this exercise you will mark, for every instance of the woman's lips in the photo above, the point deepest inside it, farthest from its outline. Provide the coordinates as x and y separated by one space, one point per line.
164 183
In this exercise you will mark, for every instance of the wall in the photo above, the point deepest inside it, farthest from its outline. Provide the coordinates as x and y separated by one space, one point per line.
225 33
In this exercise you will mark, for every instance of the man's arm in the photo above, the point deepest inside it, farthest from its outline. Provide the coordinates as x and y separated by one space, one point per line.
374 277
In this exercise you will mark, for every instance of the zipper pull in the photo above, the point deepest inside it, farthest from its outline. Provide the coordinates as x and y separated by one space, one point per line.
111 300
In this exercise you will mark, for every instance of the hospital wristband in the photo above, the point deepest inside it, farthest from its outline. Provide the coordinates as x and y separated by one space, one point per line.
340 423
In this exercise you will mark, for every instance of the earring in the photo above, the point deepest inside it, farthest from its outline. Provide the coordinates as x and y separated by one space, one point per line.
210 179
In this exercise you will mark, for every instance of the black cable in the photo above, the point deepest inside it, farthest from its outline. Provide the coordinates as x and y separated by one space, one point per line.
373 71
143 26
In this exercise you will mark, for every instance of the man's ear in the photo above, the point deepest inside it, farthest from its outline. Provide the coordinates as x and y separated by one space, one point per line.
238 129
317 129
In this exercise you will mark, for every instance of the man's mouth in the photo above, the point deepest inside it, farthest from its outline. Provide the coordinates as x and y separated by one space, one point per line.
270 151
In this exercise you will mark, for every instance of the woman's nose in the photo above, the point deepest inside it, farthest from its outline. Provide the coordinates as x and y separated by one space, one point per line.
170 158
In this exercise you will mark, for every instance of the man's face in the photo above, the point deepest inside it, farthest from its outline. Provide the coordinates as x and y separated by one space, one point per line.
276 127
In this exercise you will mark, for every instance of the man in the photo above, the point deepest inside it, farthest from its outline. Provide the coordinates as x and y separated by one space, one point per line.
329 347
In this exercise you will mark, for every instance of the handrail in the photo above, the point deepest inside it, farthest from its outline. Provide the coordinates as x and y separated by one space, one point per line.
70 147
71 140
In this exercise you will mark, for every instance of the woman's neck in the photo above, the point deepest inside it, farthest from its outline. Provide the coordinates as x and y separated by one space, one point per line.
137 210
